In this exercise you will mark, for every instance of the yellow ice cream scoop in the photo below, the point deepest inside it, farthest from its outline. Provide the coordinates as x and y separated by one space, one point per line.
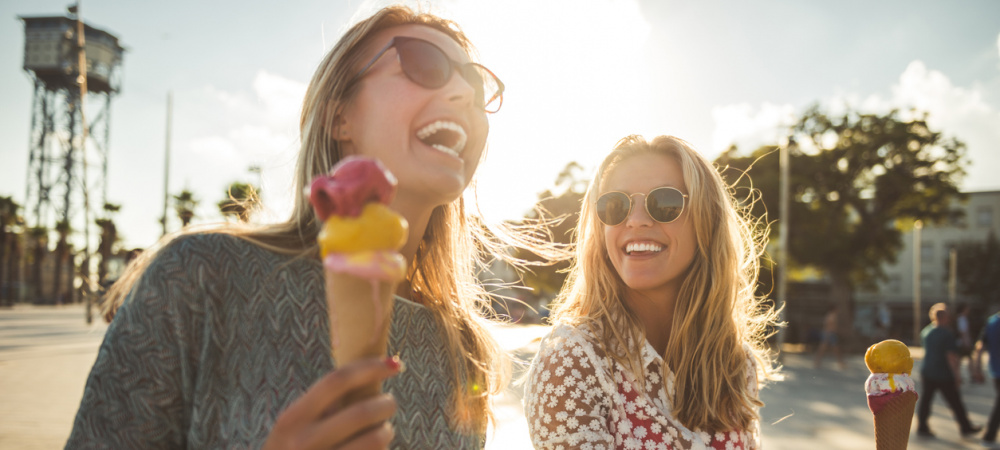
377 228
889 356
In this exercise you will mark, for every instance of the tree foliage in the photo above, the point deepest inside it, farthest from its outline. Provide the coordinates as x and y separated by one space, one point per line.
242 200
857 182
571 182
184 205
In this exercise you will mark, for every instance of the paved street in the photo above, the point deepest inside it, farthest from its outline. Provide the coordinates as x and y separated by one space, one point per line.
46 353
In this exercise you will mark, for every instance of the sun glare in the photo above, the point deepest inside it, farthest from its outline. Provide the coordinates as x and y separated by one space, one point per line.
576 82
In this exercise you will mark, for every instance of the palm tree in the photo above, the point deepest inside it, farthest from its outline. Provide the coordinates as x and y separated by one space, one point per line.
241 201
40 239
184 204
109 235
8 219
63 251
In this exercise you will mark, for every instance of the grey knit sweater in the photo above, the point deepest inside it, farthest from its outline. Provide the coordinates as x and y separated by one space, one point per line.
219 336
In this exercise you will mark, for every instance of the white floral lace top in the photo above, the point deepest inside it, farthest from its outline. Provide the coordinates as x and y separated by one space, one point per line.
578 398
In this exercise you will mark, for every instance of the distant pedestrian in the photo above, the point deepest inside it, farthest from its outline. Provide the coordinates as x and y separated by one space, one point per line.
939 371
829 338
989 341
883 322
964 334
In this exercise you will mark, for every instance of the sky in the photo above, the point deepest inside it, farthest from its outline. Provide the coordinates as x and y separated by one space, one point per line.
580 75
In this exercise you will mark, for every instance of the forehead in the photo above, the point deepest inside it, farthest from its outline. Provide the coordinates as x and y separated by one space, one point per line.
643 172
432 35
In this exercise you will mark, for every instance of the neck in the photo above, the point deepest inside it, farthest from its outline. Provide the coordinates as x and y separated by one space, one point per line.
417 217
655 311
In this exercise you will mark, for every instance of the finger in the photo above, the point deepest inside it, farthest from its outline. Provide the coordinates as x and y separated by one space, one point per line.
378 437
314 402
351 421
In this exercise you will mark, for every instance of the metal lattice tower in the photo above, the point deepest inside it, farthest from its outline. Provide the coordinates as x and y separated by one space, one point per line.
61 164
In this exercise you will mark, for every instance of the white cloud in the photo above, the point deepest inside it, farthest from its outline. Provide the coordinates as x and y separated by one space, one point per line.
223 132
575 85
749 128
281 97
960 112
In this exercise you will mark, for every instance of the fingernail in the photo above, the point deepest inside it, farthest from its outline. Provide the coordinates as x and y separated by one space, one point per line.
395 364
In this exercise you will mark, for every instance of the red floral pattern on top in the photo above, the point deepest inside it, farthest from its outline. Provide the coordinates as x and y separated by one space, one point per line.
576 398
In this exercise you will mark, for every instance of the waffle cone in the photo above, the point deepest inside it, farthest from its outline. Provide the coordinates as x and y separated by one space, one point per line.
359 328
893 420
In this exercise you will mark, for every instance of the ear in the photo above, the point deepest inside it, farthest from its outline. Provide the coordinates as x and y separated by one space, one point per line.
339 129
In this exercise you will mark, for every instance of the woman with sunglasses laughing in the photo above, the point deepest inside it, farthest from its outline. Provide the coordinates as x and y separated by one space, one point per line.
222 336
658 338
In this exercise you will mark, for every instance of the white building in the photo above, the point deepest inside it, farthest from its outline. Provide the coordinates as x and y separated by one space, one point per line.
982 216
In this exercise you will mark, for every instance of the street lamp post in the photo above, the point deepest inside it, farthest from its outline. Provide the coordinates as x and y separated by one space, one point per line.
783 239
916 281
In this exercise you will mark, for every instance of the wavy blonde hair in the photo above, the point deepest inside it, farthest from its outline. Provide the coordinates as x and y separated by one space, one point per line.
716 313
454 246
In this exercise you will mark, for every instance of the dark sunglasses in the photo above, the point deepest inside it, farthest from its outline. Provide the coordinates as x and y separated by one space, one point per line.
427 65
664 205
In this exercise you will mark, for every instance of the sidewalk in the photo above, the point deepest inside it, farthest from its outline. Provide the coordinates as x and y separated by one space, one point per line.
45 356
47 352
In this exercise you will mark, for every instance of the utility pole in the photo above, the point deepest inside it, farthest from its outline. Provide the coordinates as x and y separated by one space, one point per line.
82 81
952 276
783 240
166 162
916 281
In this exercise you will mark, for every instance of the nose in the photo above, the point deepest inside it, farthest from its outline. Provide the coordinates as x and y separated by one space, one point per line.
638 217
458 90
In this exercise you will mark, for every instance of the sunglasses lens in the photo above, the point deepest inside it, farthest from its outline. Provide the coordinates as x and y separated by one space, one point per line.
665 204
612 208
489 90
424 63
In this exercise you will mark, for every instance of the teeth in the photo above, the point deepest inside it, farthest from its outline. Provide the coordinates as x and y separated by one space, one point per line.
439 125
445 149
642 247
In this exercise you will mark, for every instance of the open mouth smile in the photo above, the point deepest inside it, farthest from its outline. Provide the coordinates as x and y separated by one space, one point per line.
642 248
444 135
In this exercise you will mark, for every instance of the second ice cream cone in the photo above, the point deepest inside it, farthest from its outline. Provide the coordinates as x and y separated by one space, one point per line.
893 420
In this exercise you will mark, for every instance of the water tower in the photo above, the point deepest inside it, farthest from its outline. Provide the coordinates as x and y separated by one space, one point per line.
67 165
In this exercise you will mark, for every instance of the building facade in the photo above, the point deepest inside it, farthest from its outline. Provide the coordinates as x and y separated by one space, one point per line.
982 217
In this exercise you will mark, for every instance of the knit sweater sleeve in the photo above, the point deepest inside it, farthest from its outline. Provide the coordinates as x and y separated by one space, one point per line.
139 392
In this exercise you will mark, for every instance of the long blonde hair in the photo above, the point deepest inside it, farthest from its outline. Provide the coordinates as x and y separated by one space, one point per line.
442 272
716 313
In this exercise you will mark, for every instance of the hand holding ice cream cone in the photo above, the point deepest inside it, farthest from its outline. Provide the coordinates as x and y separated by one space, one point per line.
359 244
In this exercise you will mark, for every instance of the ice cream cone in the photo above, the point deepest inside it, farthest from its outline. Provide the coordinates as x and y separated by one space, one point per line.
893 420
360 313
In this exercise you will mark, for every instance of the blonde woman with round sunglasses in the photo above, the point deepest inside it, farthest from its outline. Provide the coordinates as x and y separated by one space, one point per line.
220 337
658 338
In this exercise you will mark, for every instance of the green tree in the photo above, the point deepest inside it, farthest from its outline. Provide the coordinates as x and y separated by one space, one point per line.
978 271
546 280
184 204
241 201
109 236
40 246
858 182
63 252
9 218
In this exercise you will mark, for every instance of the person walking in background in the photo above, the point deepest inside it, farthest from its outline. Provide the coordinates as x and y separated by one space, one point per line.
829 338
939 372
964 335
989 341
883 321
